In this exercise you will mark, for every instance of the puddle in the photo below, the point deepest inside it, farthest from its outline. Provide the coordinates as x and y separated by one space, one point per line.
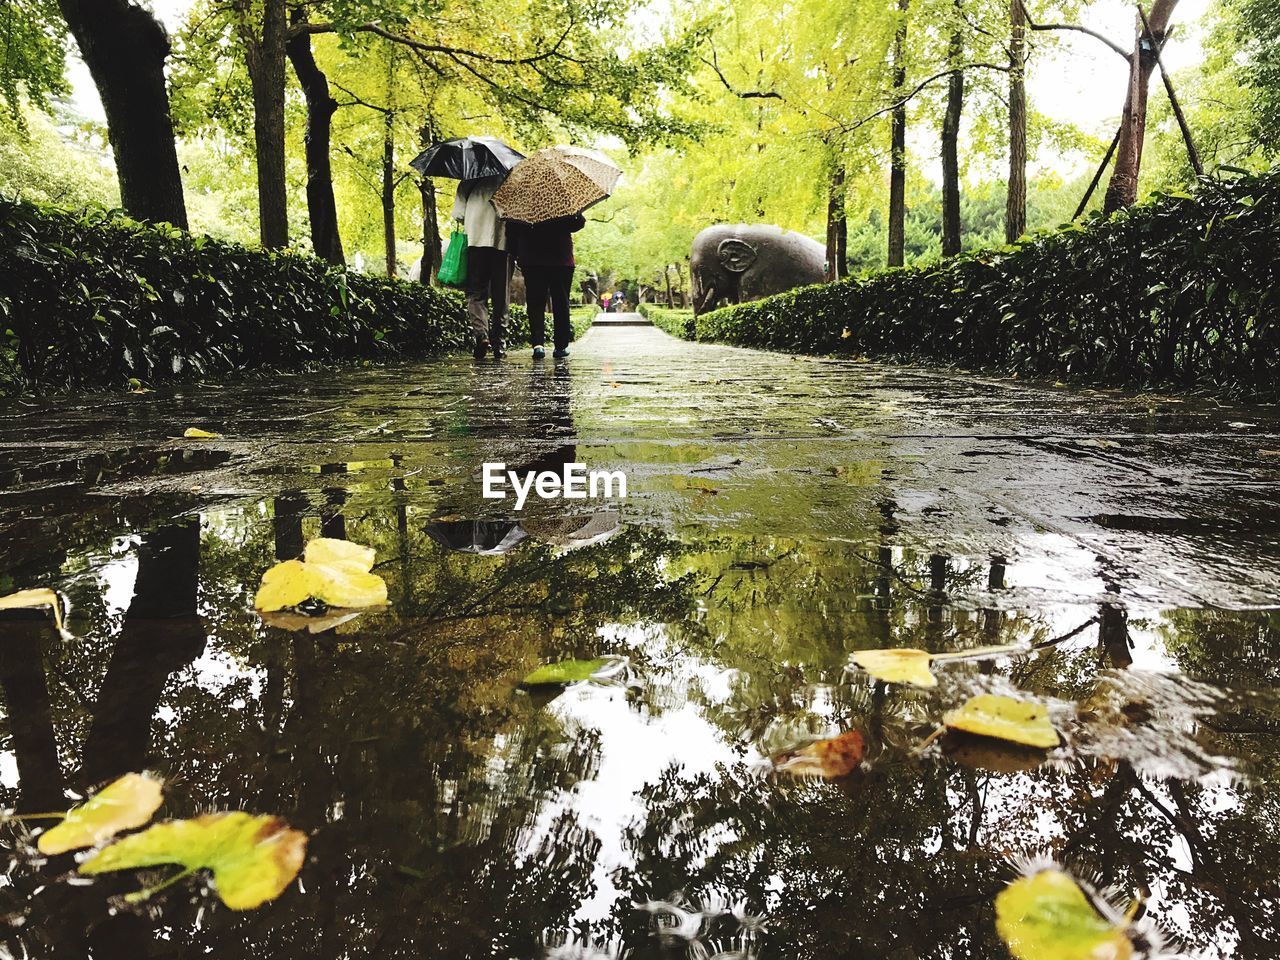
452 812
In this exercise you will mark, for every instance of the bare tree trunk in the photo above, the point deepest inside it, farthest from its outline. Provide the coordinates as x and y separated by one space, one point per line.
666 277
1122 191
389 191
125 48
898 146
265 59
322 209
951 240
837 227
1015 211
431 254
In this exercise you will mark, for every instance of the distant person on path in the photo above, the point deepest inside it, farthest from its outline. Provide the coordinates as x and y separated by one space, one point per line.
545 254
488 264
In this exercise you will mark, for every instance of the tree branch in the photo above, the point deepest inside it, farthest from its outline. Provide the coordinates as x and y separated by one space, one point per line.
1074 27
424 47
920 86
714 64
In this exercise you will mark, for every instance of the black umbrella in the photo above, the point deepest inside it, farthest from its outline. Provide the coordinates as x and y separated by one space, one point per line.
467 158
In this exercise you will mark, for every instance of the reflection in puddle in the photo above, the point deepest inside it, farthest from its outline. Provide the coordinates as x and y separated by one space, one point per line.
453 813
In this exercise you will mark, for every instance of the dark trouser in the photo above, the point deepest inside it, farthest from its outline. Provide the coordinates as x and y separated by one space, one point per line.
558 283
488 279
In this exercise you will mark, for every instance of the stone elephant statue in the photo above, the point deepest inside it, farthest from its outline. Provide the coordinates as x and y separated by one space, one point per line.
733 263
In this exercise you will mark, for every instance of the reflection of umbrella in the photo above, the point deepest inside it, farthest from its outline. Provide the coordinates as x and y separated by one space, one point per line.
488 537
467 158
556 182
573 532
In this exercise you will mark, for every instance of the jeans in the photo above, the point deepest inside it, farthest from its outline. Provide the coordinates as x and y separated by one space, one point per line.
558 283
488 279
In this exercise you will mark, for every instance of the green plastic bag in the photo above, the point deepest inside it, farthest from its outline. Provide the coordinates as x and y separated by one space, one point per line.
453 268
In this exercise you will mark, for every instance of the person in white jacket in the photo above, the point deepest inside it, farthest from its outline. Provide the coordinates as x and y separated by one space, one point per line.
488 264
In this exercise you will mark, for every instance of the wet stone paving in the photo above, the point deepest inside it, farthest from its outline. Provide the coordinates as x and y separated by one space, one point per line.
782 514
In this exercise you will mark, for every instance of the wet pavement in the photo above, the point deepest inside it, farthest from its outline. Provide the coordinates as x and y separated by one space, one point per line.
781 513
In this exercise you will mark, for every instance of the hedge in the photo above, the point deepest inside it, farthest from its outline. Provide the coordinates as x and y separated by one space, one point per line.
92 298
1180 292
678 323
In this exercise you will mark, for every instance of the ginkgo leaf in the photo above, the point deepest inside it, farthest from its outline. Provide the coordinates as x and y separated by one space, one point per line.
905 665
253 858
34 600
195 433
834 758
339 553
1047 916
334 572
576 671
909 665
992 715
121 805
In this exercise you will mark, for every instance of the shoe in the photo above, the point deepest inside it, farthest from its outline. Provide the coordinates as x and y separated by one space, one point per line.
560 353
539 352
499 350
480 348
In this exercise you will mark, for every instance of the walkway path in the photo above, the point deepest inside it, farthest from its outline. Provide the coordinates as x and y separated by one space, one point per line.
1171 502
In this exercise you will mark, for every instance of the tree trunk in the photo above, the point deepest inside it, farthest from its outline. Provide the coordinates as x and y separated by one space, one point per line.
389 191
898 146
125 48
431 253
837 227
1015 210
1122 191
666 277
951 241
322 209
265 58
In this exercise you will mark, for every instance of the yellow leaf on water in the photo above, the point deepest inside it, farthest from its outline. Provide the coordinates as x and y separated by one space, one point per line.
121 805
339 553
1018 721
334 572
194 433
253 858
34 600
1047 916
905 665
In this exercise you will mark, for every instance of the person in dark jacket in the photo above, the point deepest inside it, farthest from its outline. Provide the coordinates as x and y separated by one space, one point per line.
545 254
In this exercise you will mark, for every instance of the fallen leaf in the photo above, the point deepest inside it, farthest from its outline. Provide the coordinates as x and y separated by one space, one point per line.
194 433
121 805
1018 721
909 665
575 671
1047 916
285 620
253 858
834 758
904 665
335 572
34 600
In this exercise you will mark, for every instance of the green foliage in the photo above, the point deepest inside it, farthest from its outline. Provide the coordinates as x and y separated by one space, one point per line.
94 299
1180 291
678 323
39 162
1258 34
32 52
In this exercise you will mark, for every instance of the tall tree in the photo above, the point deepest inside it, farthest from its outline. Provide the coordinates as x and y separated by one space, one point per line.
837 223
951 239
263 29
1122 191
1015 216
322 209
125 48
898 143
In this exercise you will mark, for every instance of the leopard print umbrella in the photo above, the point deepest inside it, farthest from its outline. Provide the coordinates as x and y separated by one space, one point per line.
556 182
